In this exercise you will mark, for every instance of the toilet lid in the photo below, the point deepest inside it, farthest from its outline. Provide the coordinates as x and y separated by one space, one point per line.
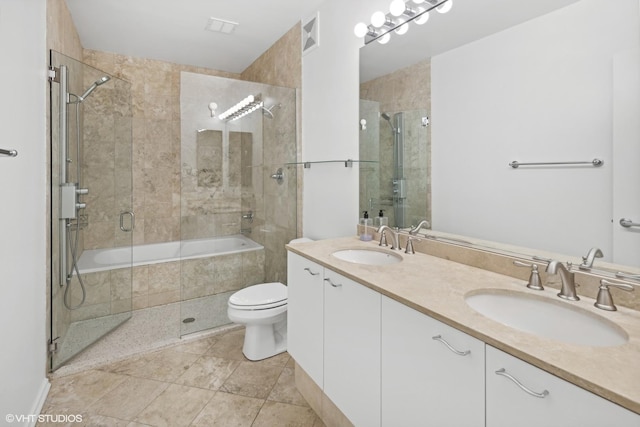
264 295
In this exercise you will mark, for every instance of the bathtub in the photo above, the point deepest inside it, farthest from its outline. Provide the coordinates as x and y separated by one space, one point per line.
94 260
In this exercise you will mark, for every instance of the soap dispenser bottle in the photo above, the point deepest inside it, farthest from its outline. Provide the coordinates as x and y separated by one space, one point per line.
365 227
381 219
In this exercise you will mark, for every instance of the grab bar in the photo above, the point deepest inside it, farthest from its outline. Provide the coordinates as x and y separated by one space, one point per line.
595 162
10 153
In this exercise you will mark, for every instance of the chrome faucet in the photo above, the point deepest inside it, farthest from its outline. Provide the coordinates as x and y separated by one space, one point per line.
568 290
414 230
587 261
383 236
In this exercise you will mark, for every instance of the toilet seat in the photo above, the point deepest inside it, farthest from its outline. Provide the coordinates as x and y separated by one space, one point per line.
259 297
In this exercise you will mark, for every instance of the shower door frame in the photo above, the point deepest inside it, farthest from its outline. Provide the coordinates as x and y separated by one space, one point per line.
60 317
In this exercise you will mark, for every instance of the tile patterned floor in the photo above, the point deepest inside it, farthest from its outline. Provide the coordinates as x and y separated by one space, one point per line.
207 382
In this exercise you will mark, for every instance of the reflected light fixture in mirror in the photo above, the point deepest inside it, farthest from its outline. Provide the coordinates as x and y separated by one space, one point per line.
398 18
246 106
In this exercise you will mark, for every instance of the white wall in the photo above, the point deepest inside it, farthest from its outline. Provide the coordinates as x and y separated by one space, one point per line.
541 91
330 94
23 208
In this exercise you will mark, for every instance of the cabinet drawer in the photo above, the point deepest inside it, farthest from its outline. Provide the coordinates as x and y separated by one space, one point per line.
542 399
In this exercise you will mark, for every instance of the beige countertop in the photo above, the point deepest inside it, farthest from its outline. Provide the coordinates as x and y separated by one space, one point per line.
437 287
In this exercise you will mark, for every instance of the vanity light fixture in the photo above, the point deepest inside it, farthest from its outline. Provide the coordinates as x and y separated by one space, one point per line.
398 18
247 106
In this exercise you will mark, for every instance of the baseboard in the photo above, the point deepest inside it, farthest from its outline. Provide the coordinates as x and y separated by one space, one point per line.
39 402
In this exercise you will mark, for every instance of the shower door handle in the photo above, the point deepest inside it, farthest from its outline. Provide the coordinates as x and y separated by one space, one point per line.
133 221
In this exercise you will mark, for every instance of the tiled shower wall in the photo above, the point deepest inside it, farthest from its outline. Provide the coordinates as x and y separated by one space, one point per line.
407 89
155 95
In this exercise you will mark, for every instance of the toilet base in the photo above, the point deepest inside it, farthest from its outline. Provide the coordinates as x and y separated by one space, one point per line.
264 341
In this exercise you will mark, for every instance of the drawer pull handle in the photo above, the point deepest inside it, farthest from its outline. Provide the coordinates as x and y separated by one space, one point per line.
339 285
504 373
458 352
311 272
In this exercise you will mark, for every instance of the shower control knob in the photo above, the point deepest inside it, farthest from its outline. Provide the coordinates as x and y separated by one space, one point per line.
81 191
81 205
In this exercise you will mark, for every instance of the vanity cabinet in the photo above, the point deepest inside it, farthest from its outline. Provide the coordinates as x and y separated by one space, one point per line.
333 334
305 315
564 404
432 374
352 348
378 362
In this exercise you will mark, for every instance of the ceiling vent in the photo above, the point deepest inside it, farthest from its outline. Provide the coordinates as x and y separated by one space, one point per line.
218 25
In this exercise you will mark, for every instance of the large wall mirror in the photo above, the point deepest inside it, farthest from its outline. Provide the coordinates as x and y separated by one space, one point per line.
446 107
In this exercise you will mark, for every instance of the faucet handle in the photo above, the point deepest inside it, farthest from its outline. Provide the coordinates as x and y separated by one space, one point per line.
534 278
604 300
383 238
409 249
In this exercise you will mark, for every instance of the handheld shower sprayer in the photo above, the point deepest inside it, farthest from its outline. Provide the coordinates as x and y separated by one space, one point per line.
102 80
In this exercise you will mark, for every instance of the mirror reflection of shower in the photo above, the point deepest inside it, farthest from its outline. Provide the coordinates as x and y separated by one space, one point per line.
399 181
71 206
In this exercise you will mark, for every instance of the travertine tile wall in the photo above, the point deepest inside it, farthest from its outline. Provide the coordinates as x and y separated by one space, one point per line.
408 89
281 65
155 94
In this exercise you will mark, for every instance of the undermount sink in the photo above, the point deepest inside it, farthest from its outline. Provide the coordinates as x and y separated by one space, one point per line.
546 318
367 256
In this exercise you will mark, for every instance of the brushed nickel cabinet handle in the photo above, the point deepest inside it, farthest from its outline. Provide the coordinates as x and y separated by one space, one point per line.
458 352
310 272
504 373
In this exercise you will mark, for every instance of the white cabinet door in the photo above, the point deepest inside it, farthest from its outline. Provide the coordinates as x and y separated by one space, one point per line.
352 349
305 315
424 382
563 404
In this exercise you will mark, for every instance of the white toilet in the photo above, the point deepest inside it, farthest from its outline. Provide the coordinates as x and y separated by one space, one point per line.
263 310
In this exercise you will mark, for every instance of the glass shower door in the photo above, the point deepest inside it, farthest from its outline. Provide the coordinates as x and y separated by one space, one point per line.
91 206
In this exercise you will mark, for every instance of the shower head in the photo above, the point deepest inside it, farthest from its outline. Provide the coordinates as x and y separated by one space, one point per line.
102 80
388 119
268 112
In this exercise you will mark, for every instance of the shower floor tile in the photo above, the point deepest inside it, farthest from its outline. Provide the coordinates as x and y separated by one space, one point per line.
203 382
140 334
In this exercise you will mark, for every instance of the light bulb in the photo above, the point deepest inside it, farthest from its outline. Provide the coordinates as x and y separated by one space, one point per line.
250 98
445 7
397 7
418 1
402 29
422 18
384 39
378 19
360 30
